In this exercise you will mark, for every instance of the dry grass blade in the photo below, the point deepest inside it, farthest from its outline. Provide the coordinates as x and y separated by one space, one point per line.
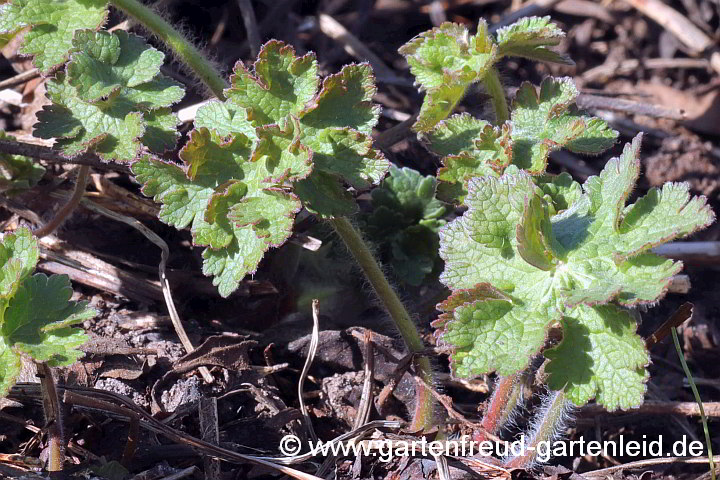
680 316
164 254
312 350
20 78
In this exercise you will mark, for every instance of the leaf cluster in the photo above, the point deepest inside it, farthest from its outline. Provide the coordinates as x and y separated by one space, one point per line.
540 123
516 268
111 99
281 141
447 60
36 314
405 220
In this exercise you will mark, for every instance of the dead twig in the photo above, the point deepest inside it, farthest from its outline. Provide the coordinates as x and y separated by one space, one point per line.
681 315
52 156
589 102
251 29
208 415
164 255
354 47
20 78
651 407
650 462
69 207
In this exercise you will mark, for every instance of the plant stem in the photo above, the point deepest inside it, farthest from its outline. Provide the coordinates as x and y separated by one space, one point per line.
546 425
694 389
423 417
53 418
502 403
185 51
495 89
69 207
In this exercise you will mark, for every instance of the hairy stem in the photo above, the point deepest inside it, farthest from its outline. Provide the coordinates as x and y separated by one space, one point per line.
495 89
423 416
502 403
69 207
185 51
547 424
53 418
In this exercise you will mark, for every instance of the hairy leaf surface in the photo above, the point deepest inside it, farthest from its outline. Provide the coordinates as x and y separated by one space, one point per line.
36 314
561 268
281 141
112 100
53 24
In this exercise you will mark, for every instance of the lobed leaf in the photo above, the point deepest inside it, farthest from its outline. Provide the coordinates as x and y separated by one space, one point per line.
17 172
600 357
112 100
53 24
404 222
36 314
277 144
531 37
445 62
561 267
540 123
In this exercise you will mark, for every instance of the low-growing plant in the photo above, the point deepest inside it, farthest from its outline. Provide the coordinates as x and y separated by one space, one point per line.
531 253
404 222
37 322
534 251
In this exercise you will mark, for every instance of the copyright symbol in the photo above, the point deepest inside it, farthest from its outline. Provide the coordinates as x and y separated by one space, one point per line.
290 445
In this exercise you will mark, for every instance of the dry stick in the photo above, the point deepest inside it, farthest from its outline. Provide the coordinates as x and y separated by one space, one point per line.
650 462
53 418
354 47
164 255
208 415
588 102
69 207
101 400
651 407
680 316
53 156
683 29
250 22
20 78
312 350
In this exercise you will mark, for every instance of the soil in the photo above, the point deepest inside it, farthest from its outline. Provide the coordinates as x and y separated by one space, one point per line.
138 356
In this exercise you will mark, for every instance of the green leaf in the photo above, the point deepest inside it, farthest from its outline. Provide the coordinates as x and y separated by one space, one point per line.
105 62
112 100
600 357
280 83
404 222
36 316
540 124
545 122
17 172
554 268
531 37
275 145
39 319
231 195
445 62
472 148
53 24
18 257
